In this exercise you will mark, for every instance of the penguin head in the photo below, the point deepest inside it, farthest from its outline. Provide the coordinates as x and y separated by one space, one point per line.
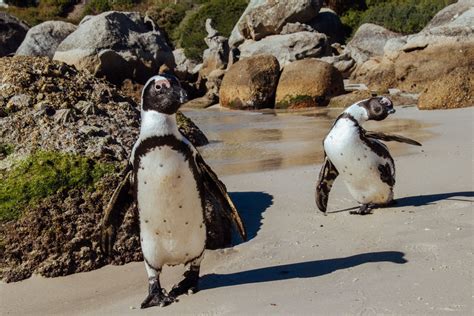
163 93
378 108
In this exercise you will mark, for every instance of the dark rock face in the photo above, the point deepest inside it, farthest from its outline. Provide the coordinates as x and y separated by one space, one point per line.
12 33
44 38
51 106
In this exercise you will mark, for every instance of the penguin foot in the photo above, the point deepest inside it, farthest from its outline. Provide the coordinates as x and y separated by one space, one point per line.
364 209
157 299
187 286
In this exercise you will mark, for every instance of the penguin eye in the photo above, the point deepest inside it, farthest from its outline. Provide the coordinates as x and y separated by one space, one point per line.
377 109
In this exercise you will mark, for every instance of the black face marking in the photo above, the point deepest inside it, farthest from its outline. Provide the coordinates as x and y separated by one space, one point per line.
163 94
378 108
386 174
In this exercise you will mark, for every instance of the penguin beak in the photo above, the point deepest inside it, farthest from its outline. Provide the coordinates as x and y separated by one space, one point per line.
391 111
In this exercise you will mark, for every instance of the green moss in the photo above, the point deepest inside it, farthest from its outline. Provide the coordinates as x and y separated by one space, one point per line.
293 100
43 174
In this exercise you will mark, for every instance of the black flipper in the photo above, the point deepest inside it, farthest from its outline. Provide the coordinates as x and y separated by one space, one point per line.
389 138
213 184
327 175
115 210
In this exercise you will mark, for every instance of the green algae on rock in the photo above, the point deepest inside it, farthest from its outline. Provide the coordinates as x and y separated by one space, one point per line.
44 174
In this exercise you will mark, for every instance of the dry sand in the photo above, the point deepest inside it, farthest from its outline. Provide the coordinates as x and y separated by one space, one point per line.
415 258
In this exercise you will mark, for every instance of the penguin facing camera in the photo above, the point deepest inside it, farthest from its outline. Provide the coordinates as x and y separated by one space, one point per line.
359 157
170 181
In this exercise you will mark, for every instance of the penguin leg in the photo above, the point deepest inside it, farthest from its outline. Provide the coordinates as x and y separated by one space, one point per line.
189 284
364 209
157 296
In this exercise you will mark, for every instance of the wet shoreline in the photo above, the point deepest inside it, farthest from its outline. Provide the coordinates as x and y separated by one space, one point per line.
245 142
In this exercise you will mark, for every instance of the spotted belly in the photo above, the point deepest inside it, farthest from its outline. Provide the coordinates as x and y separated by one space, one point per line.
172 228
358 166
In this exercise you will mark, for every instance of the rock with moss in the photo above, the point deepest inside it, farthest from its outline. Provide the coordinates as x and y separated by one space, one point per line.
250 83
63 145
308 83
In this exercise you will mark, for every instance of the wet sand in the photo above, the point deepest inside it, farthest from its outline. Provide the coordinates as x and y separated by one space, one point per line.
414 258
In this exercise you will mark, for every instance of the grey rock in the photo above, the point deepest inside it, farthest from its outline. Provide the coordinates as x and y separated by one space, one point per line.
185 67
18 102
12 33
116 45
263 18
289 47
344 63
216 56
369 41
450 13
44 38
291 28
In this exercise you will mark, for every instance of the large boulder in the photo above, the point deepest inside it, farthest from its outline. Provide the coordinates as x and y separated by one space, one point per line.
12 33
44 38
308 83
450 13
369 41
328 23
117 46
287 48
262 18
453 90
250 83
412 62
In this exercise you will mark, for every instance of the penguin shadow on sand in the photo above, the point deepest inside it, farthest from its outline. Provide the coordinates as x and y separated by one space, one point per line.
251 206
428 199
308 269
423 200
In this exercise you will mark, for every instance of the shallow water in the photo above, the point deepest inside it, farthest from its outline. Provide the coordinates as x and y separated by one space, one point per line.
242 141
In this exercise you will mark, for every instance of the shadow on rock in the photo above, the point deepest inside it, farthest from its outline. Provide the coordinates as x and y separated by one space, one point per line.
308 269
251 206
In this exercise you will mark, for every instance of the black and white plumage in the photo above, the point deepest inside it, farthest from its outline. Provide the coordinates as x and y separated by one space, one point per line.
359 157
170 182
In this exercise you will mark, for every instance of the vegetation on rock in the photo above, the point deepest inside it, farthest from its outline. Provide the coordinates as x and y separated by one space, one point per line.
43 174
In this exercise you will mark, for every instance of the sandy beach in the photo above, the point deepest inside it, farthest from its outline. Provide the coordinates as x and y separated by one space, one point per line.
414 258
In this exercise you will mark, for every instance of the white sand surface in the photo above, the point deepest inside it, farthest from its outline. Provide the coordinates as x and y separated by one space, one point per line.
414 258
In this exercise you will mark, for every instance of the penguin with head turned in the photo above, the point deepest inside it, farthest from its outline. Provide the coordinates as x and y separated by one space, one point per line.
359 157
169 180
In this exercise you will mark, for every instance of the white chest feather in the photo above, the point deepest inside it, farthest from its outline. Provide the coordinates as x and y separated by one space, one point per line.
172 228
357 163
